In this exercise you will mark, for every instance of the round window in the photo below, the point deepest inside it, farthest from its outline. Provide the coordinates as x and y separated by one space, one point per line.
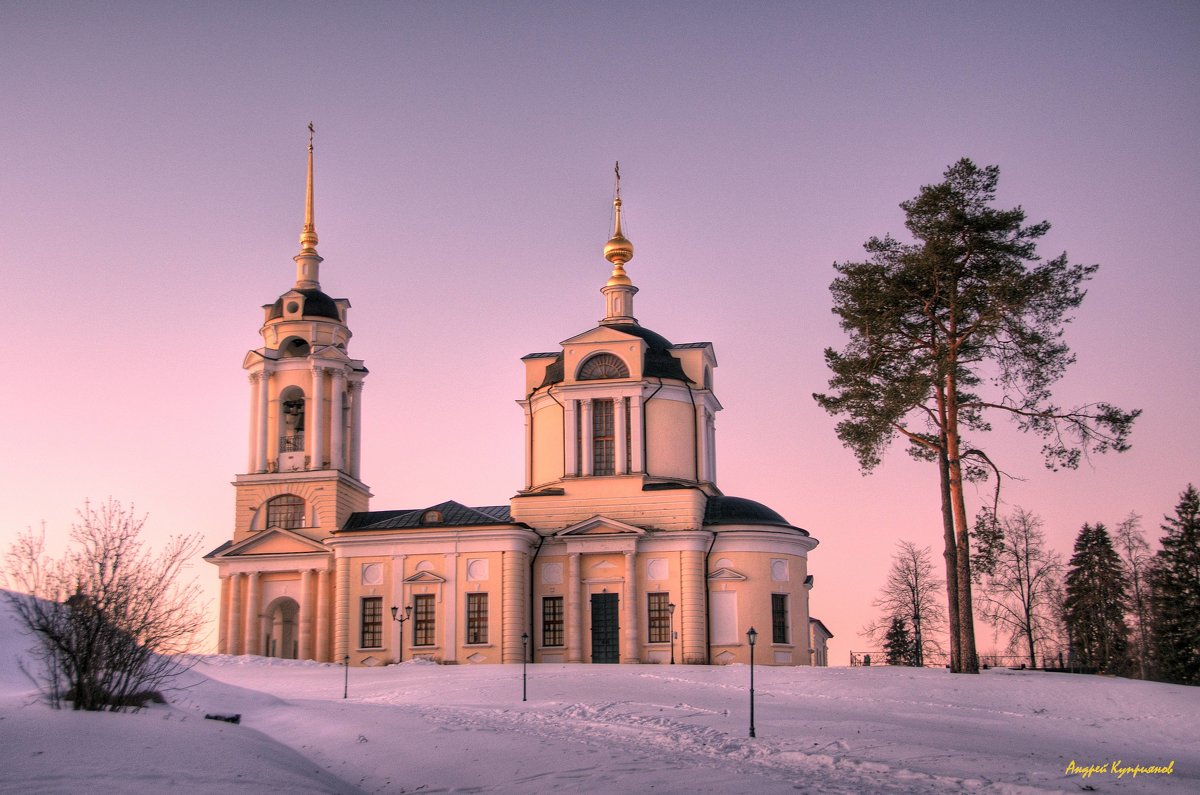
293 307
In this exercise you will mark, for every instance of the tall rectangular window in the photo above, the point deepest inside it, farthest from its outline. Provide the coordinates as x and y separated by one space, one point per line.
371 634
603 441
423 620
477 618
552 621
779 618
660 617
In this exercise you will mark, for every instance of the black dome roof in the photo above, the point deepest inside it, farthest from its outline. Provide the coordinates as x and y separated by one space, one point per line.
739 510
316 304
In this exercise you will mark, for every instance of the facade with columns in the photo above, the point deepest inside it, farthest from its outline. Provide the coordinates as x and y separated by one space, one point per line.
618 548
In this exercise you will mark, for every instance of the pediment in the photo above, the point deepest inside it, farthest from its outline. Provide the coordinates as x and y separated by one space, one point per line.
424 577
274 541
726 573
601 334
257 357
600 526
330 353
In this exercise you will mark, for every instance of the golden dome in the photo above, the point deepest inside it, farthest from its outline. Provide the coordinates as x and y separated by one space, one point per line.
618 250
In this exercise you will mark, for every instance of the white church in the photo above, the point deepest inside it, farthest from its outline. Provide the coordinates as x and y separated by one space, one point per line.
619 547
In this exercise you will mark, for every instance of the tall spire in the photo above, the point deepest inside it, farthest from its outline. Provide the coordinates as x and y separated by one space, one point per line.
619 290
308 261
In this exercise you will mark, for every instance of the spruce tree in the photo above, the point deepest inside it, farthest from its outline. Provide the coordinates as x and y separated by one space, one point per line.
1097 588
898 644
1175 594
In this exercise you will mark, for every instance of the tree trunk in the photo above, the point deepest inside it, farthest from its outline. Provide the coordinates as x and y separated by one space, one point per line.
950 555
968 658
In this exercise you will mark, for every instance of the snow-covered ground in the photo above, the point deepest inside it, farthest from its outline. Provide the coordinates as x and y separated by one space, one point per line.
427 728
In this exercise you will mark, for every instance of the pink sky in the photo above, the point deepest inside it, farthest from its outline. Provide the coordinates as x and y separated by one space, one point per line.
151 198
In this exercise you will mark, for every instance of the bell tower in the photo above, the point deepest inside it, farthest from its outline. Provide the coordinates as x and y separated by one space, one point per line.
304 446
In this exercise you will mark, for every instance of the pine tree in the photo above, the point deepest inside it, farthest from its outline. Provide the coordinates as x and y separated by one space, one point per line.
898 644
1097 588
1175 594
945 333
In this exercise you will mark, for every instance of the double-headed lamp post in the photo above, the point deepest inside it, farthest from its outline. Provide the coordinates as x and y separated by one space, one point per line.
524 659
671 613
752 636
396 617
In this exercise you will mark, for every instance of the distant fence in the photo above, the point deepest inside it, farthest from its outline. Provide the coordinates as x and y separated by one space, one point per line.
1055 662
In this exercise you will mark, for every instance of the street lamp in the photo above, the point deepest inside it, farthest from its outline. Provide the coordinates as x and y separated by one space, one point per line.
524 658
346 686
752 636
671 613
400 621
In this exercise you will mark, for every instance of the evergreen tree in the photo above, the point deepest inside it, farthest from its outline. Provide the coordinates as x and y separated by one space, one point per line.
898 645
1096 597
1175 594
964 324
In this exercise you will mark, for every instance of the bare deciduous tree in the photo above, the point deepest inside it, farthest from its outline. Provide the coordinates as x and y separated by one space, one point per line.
914 595
112 622
1017 594
1135 553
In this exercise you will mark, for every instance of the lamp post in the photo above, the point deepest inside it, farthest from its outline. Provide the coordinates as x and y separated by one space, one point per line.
752 636
400 621
524 658
671 613
346 686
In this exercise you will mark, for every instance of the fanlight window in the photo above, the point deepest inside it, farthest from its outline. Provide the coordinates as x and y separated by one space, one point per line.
286 511
604 365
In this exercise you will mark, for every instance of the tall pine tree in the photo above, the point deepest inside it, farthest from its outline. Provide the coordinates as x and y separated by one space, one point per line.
1175 594
898 644
1097 588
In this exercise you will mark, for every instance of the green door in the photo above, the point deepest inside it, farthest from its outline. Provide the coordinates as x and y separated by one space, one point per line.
606 630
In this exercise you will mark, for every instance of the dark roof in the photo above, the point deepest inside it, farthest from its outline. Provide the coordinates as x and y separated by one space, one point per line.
658 362
739 510
224 546
549 355
691 345
316 304
454 514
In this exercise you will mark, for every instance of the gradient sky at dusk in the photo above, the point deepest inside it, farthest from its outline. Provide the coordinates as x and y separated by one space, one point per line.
151 200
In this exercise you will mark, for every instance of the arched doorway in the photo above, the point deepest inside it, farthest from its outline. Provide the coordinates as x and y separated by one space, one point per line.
283 636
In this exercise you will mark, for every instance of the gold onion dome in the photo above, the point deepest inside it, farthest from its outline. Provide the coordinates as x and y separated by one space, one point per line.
618 250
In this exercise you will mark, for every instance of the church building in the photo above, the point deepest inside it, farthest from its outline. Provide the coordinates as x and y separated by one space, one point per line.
619 547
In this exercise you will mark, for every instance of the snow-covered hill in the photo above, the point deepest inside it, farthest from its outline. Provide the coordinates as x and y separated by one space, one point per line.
422 727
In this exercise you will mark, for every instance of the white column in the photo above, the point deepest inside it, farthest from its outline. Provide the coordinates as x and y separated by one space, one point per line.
702 442
337 422
264 382
233 635
322 631
356 391
619 432
630 646
569 430
306 615
253 625
315 433
574 611
449 597
252 442
586 423
712 448
341 632
635 441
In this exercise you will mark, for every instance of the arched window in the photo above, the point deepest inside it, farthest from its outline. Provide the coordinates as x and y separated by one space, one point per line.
603 365
286 511
291 420
295 348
